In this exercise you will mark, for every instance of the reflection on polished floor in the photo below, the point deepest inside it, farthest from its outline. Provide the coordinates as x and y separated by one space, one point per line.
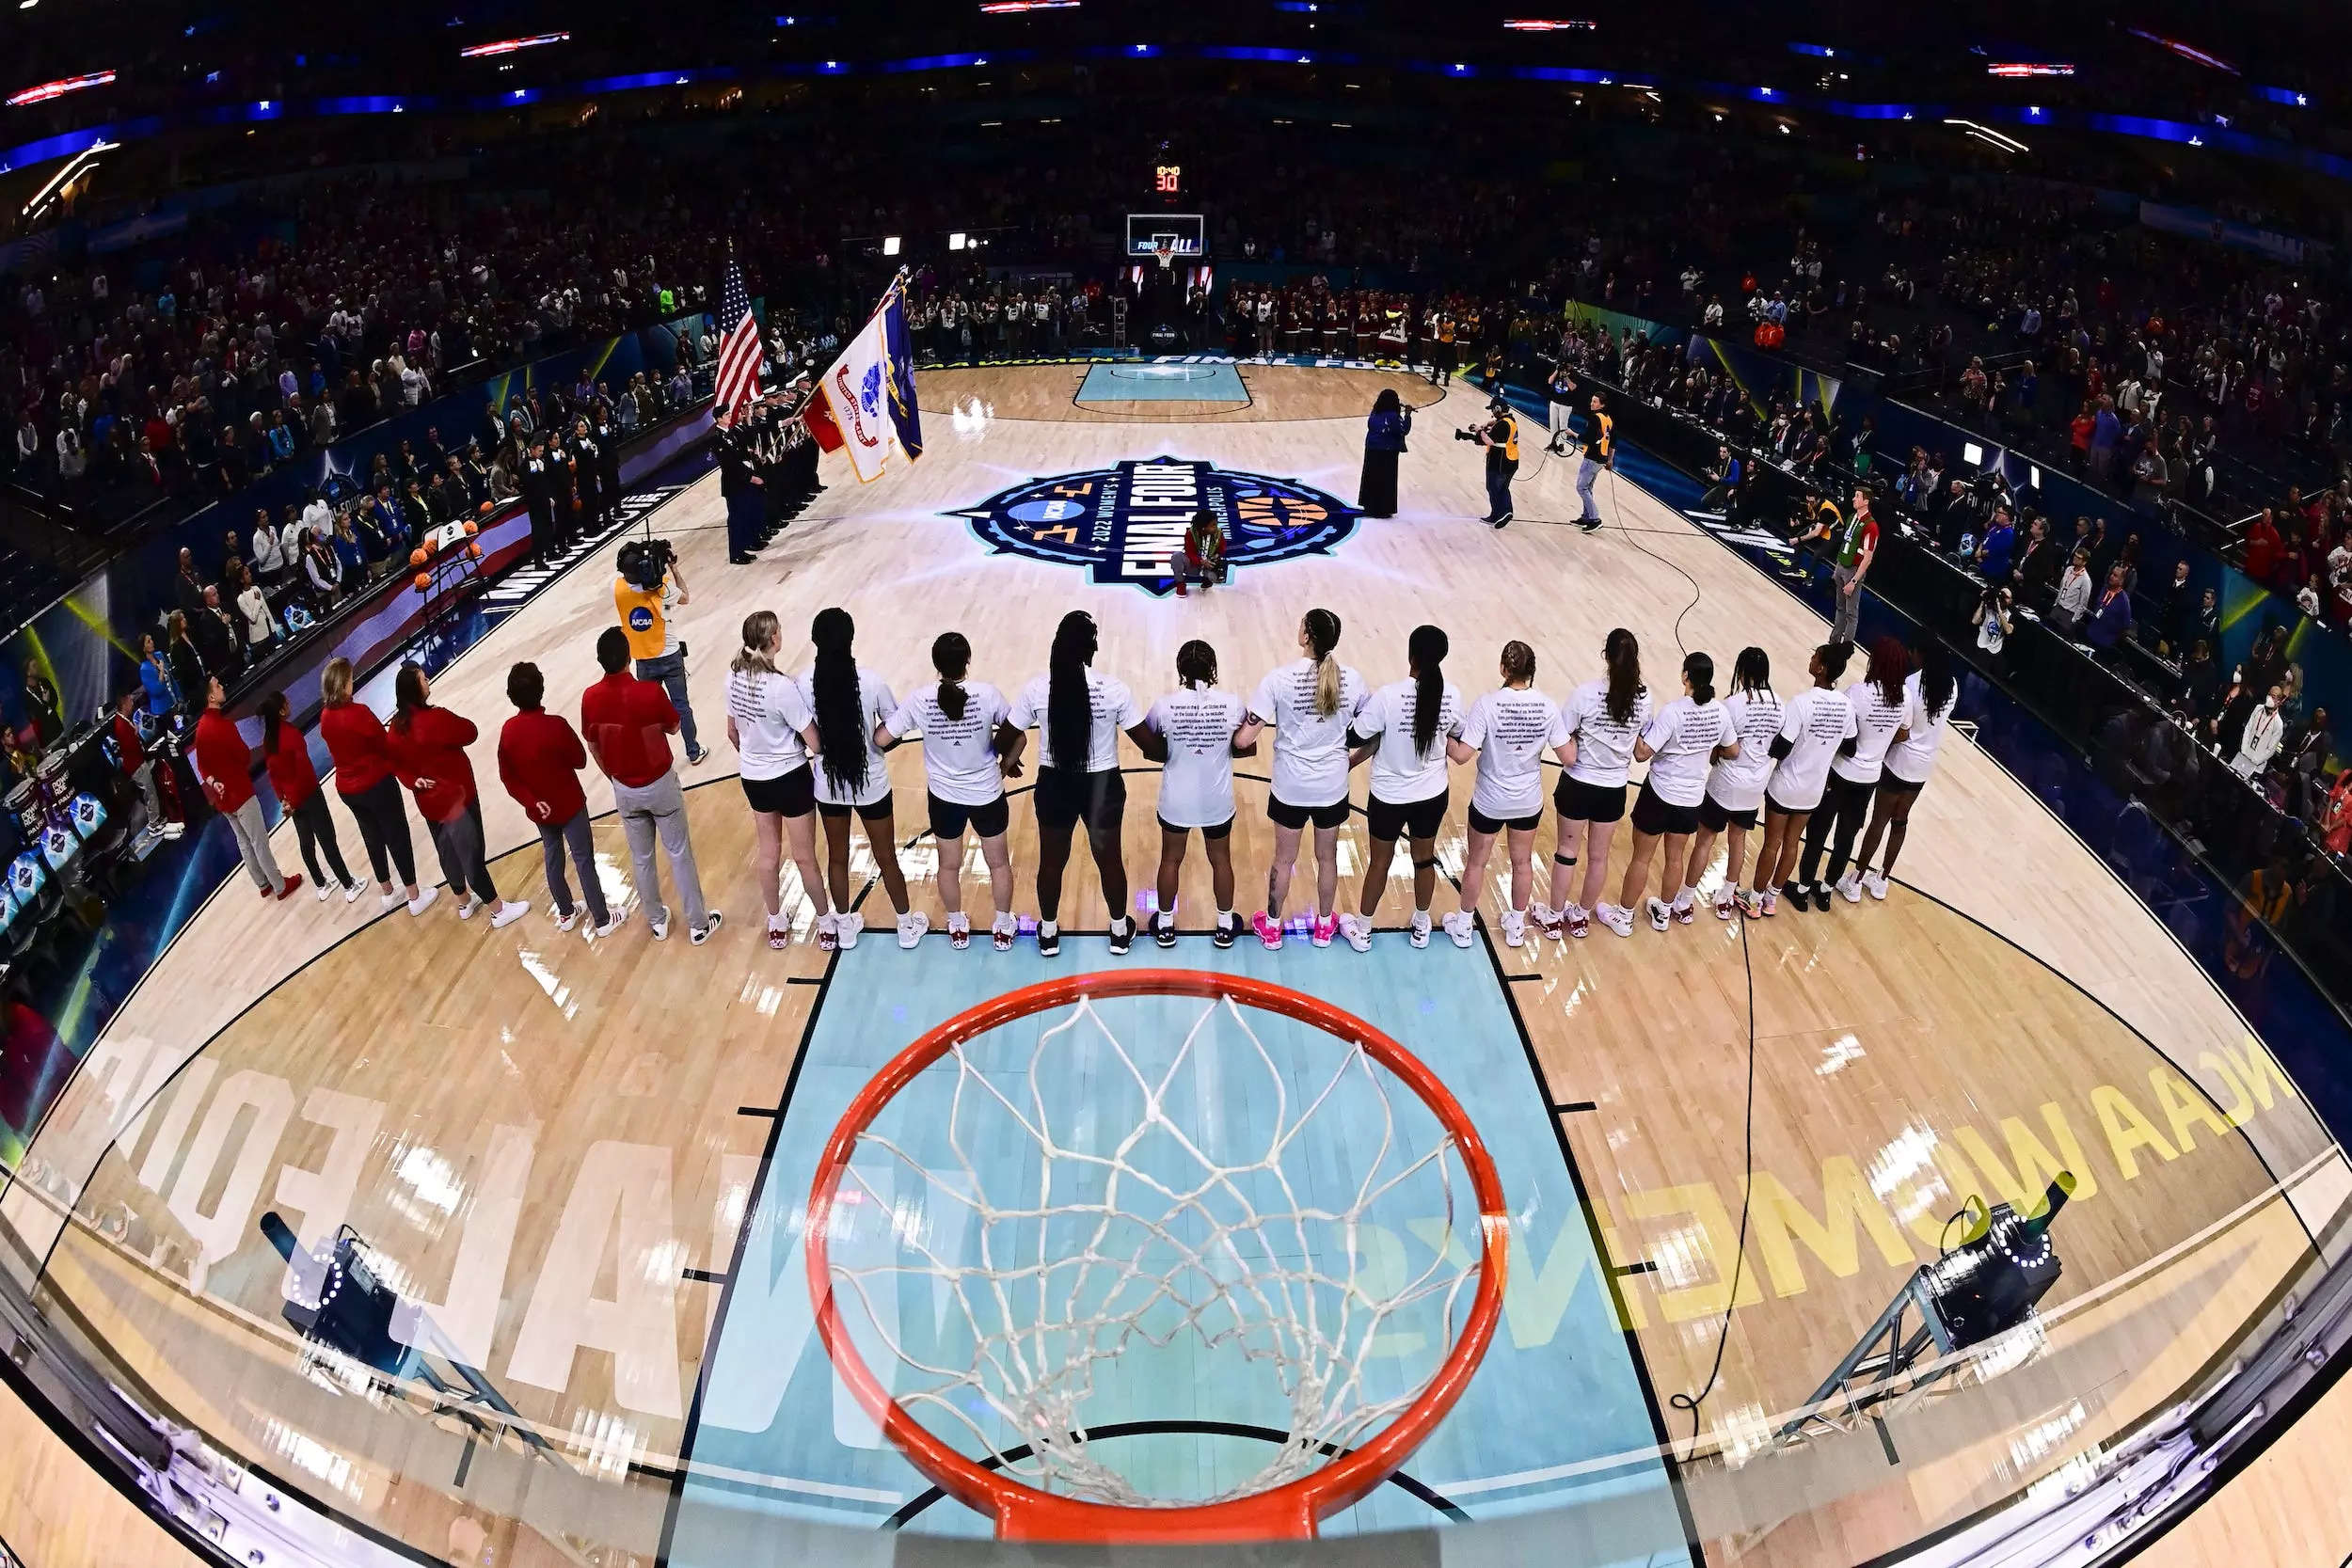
554 1146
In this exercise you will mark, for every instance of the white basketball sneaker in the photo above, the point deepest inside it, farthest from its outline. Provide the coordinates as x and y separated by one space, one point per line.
1514 928
1357 931
912 926
1616 918
1874 883
1459 926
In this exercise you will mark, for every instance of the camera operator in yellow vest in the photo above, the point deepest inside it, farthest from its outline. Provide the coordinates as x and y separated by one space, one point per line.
645 589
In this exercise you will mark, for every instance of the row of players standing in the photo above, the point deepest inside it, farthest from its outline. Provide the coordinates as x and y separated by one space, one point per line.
1811 770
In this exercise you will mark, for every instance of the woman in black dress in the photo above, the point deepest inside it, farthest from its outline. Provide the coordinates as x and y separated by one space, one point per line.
1384 439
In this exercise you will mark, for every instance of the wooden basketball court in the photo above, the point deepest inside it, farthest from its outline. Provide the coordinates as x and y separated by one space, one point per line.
556 1146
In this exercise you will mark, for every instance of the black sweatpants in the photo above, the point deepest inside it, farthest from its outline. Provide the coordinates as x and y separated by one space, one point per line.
383 829
1835 822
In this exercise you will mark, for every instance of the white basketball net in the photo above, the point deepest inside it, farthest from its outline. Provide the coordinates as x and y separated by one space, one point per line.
1108 1257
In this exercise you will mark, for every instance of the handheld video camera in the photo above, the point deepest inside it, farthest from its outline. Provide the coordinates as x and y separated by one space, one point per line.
644 562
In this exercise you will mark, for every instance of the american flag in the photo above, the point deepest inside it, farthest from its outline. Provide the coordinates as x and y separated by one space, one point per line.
739 352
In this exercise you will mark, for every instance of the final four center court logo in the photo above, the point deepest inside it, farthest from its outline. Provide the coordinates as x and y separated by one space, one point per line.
1126 524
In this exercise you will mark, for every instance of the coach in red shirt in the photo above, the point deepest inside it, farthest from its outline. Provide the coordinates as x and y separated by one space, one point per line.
225 763
540 757
140 766
428 746
627 723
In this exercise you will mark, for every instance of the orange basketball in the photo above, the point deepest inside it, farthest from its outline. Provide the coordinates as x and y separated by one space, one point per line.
416 557
472 529
424 579
474 550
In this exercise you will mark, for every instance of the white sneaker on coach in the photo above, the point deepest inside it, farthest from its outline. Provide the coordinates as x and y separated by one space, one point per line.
326 891
391 901
1460 927
565 922
509 911
1850 887
1874 883
1514 928
1616 918
465 911
613 924
1357 931
423 901
351 892
912 926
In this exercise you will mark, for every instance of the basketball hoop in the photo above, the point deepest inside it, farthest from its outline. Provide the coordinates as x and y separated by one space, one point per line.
1226 1261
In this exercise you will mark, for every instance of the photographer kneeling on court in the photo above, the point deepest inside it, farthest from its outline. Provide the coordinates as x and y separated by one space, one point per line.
645 588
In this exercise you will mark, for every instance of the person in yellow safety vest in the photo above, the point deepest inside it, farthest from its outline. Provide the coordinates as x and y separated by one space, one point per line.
1500 437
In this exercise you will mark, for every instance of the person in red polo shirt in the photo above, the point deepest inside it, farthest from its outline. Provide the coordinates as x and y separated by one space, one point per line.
627 723
540 757
363 777
131 746
428 746
291 773
225 763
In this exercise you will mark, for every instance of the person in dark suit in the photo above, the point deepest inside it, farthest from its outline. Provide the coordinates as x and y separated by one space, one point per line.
538 499
588 477
563 492
608 465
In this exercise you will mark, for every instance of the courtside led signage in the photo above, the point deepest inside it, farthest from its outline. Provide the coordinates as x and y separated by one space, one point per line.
2023 69
1014 7
508 46
1547 25
59 88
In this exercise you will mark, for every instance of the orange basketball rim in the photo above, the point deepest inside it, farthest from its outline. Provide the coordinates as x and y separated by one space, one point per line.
1292 1510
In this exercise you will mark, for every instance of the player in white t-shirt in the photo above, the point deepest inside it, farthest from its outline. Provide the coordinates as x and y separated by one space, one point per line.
1930 692
1309 704
773 732
964 782
849 699
1408 728
1509 728
1814 723
1080 711
1735 788
1191 739
1604 718
1681 743
1880 705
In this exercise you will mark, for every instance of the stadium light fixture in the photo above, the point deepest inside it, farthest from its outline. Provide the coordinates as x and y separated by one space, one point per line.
509 46
890 244
957 241
58 88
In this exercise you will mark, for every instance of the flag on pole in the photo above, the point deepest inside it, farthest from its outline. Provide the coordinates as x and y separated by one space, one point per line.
739 352
865 404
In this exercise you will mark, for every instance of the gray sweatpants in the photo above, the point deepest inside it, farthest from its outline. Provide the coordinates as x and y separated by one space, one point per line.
253 844
657 810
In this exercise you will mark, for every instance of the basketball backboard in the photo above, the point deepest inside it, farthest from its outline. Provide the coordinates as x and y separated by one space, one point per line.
1143 230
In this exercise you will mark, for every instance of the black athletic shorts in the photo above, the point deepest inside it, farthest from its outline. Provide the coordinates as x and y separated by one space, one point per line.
1654 814
1389 821
948 819
1773 807
1895 789
872 812
1579 801
1481 823
1715 817
1215 830
1283 815
794 793
1069 796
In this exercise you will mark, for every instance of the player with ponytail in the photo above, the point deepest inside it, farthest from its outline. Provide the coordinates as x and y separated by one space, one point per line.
849 699
1082 711
1509 729
1683 741
1309 704
959 720
1408 729
1191 732
1602 718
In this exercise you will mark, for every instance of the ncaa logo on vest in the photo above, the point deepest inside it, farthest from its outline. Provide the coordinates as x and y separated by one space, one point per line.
1126 524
